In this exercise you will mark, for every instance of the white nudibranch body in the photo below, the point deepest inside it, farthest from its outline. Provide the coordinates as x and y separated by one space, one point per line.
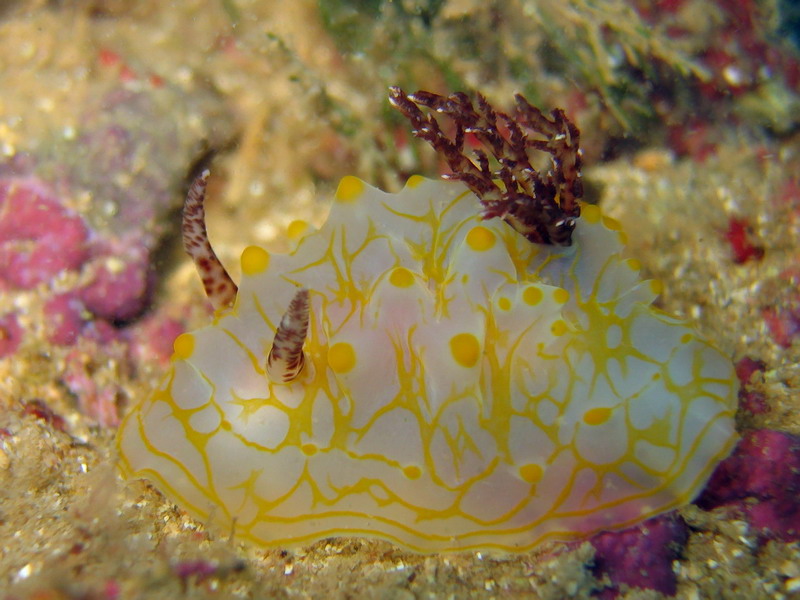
463 388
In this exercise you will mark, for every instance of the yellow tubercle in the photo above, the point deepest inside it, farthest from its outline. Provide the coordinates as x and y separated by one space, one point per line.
634 264
531 473
656 286
255 260
296 229
480 239
465 349
350 189
561 296
597 416
611 223
559 328
401 277
591 213
532 295
414 181
412 472
341 357
183 346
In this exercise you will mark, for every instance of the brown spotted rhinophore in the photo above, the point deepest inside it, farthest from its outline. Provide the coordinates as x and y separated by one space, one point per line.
219 287
286 359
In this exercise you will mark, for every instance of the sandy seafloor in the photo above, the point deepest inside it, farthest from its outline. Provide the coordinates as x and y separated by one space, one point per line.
292 96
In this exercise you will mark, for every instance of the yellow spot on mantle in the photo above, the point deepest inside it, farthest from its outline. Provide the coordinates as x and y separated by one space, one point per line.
531 473
633 264
656 286
597 416
412 472
504 303
255 260
561 295
465 349
480 238
341 357
350 188
296 229
414 181
401 277
183 346
309 449
590 213
532 295
612 224
559 328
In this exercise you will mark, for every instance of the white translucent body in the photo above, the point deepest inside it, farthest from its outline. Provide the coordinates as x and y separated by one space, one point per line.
463 388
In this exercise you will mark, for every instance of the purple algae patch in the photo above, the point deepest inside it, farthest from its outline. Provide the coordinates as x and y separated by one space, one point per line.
761 479
127 157
642 556
201 569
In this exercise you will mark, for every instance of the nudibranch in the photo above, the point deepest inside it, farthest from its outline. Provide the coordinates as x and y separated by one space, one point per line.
443 379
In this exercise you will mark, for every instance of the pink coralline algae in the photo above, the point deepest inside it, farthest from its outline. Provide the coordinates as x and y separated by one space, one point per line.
152 338
39 409
39 237
99 401
740 237
64 317
761 480
80 225
783 318
783 323
199 569
750 400
121 283
10 334
93 284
